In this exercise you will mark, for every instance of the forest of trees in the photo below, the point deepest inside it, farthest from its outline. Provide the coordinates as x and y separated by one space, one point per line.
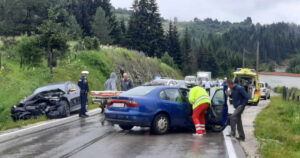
45 27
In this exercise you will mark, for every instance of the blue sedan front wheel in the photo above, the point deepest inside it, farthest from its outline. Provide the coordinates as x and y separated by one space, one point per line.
160 124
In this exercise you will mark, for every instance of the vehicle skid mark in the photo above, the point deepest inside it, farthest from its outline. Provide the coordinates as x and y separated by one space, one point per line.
73 152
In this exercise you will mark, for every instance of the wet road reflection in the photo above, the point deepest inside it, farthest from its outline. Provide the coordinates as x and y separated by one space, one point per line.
91 138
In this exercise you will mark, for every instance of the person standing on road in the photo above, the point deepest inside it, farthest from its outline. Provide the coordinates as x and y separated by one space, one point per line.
225 90
207 86
201 102
239 100
126 83
225 87
84 89
111 83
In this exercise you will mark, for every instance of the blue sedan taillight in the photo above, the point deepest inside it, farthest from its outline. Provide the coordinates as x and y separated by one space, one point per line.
128 103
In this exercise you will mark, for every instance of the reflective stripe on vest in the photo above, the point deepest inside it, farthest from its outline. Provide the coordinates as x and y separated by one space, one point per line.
201 100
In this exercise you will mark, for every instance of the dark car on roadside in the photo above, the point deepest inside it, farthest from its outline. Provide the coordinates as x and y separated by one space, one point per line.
54 100
162 108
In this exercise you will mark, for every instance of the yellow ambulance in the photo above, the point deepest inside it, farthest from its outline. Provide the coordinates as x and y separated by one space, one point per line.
249 79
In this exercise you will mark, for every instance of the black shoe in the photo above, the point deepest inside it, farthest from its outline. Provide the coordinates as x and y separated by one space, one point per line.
230 135
240 139
85 115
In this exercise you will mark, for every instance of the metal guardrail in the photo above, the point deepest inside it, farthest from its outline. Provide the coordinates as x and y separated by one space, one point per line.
291 94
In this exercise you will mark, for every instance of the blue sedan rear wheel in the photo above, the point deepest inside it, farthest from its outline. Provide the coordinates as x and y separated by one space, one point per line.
160 124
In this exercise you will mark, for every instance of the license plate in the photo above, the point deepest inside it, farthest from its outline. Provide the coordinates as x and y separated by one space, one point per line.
119 105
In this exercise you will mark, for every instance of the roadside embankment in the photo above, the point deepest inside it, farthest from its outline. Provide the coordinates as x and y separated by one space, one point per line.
16 82
278 129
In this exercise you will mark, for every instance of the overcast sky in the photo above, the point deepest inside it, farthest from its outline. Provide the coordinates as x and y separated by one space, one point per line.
262 11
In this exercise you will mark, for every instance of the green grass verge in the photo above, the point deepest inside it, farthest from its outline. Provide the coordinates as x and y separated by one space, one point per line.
10 125
278 129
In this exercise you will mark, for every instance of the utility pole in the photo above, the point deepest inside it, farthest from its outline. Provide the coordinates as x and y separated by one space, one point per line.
0 60
257 57
244 58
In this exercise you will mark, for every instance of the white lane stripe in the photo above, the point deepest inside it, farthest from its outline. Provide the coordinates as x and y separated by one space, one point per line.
48 122
229 145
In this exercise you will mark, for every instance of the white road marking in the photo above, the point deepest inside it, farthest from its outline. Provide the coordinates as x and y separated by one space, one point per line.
230 149
44 124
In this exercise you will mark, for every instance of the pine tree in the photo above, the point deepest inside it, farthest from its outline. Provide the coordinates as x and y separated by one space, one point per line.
85 10
111 17
186 53
73 28
123 28
156 31
173 44
145 32
100 27
136 33
53 39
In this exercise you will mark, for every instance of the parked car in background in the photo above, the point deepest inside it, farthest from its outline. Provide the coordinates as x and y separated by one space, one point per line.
55 101
161 108
265 90
162 82
181 83
191 81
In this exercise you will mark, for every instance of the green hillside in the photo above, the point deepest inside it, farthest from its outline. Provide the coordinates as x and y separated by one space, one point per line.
16 82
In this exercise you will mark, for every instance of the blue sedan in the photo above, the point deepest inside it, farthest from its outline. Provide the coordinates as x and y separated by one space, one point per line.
161 108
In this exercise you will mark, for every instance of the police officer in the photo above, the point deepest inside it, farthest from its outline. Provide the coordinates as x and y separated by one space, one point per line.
84 89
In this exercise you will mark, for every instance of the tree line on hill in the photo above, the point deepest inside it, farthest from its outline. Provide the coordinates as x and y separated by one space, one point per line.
207 45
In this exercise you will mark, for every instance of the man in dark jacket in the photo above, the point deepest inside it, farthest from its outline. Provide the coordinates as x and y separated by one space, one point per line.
126 83
239 100
84 89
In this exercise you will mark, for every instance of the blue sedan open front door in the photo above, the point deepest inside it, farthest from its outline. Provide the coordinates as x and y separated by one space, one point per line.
217 115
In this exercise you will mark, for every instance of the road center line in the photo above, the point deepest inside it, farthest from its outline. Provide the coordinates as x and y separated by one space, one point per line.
229 146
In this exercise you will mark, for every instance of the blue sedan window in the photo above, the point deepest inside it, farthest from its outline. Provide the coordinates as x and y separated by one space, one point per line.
219 98
171 95
138 91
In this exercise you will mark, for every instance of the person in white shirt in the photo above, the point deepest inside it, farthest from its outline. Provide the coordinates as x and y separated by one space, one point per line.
207 86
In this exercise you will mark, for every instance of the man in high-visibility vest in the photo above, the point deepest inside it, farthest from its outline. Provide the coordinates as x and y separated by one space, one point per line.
201 102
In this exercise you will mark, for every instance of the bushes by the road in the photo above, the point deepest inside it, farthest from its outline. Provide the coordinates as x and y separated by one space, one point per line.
278 129
278 90
16 82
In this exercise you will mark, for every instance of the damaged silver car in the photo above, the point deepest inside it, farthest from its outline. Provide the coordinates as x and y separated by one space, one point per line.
55 101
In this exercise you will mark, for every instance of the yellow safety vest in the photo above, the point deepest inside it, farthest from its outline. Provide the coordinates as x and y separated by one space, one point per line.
198 96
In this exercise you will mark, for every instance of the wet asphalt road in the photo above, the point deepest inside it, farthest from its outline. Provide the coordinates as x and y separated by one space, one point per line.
92 139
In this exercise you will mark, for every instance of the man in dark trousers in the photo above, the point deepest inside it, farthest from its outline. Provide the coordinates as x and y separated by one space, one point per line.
239 100
84 89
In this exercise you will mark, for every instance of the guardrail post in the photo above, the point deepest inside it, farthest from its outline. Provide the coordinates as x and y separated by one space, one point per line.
284 93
